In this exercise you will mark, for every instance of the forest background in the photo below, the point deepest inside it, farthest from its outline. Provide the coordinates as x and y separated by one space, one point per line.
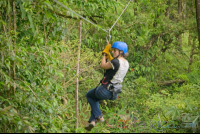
40 45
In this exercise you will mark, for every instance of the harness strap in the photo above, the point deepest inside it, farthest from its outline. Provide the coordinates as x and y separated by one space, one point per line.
97 86
103 82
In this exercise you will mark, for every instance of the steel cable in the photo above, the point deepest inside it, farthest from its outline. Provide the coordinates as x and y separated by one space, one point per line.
79 15
119 16
107 31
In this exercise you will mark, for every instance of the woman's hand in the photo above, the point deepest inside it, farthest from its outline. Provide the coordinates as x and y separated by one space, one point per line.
107 49
104 64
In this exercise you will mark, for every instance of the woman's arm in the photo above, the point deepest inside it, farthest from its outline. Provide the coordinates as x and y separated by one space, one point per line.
104 64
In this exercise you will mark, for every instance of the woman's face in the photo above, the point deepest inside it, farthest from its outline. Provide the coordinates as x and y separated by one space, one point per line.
115 52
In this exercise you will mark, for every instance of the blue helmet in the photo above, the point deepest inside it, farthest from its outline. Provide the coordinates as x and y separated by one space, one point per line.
121 46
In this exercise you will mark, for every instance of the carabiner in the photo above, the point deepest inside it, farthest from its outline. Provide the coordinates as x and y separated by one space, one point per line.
108 37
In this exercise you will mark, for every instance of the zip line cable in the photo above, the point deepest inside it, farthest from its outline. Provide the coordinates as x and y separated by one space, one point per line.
107 31
79 15
119 16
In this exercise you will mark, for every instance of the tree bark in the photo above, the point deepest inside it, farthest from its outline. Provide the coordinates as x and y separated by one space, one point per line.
180 7
163 49
135 9
166 83
116 9
10 43
191 53
14 45
191 59
180 19
168 8
197 4
77 73
45 35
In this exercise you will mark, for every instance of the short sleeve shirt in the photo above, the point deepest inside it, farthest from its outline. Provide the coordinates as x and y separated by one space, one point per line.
118 71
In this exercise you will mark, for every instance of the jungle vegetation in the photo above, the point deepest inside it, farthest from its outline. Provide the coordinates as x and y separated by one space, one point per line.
40 42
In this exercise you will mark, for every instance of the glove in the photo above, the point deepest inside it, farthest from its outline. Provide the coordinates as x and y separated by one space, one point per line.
107 49
109 57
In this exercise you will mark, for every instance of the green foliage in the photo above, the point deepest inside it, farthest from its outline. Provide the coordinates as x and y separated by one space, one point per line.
38 62
194 77
183 77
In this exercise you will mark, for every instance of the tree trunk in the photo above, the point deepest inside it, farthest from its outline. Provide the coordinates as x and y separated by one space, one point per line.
191 53
163 49
197 3
179 7
45 35
168 8
180 19
116 9
77 73
135 9
10 48
191 58
14 45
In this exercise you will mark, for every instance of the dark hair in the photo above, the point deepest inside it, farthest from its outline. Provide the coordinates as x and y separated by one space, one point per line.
124 55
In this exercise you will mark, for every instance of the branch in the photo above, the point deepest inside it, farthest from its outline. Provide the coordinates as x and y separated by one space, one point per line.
92 20
49 30
65 16
166 83
166 43
27 86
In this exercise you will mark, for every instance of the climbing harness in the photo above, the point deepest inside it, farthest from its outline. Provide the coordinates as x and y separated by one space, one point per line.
103 81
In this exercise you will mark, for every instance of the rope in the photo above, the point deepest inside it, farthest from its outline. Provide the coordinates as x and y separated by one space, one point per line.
107 31
79 15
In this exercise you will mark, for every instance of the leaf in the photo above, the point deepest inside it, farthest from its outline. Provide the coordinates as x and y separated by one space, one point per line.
15 110
6 108
195 119
48 4
27 122
22 10
54 62
59 117
59 49
88 106
7 62
1 83
31 22
50 110
25 117
32 130
169 112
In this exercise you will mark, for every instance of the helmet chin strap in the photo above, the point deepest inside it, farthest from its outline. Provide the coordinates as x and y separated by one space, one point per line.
118 55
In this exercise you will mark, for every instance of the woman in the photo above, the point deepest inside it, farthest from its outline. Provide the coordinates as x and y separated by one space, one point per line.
116 70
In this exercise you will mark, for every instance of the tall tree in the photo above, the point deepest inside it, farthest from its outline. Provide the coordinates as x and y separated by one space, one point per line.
180 19
168 8
77 73
197 3
180 7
